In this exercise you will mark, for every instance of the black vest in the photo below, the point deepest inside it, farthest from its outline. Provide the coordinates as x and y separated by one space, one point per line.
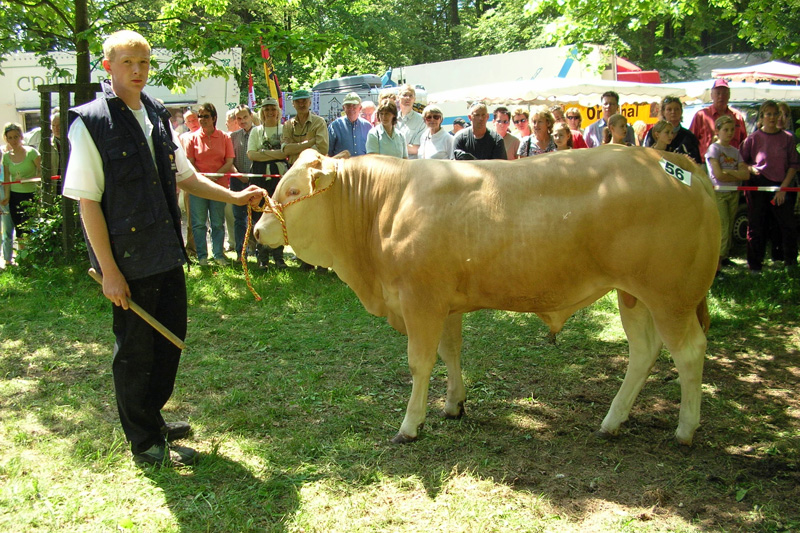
140 200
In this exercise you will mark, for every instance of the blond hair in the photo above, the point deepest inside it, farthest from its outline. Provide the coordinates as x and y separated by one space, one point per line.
407 88
123 38
544 112
616 119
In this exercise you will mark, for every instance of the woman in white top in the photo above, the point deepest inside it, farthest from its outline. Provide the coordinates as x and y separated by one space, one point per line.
435 143
384 138
264 150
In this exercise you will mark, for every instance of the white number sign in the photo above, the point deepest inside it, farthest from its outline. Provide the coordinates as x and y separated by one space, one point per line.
684 176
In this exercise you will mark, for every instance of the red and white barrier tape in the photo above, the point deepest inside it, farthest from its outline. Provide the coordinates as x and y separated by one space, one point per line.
731 188
239 175
29 180
721 188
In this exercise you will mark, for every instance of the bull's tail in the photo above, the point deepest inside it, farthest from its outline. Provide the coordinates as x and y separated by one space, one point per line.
702 314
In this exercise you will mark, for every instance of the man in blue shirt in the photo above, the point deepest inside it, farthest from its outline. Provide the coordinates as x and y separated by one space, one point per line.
610 106
350 131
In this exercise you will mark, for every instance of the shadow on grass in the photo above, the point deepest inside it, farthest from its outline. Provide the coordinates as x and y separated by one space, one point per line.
220 494
317 387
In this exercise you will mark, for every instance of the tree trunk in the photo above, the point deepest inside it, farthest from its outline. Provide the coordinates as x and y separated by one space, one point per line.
83 67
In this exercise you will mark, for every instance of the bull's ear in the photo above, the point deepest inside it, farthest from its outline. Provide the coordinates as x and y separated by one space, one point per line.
321 179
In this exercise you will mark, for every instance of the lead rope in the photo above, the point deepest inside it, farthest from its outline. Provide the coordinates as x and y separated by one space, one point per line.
276 209
270 207
243 252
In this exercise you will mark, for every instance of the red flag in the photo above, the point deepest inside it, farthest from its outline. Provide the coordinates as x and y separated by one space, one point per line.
272 78
251 94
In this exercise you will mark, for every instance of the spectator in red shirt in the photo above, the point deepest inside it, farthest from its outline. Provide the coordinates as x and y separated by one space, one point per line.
210 151
703 123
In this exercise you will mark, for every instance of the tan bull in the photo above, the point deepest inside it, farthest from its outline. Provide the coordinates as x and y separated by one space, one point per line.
422 242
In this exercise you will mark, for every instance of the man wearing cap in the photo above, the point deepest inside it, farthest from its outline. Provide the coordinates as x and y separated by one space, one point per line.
304 130
458 125
705 119
350 131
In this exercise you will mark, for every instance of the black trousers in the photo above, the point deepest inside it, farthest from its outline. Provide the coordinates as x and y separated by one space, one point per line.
18 215
758 209
145 362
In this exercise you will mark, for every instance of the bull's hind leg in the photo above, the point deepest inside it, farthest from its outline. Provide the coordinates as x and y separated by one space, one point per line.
687 343
450 352
644 344
424 331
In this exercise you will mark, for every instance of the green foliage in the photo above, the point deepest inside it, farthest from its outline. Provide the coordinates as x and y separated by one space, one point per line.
44 245
313 40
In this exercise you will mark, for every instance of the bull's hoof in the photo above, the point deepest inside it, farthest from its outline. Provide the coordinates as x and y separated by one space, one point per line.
401 438
461 412
605 435
684 441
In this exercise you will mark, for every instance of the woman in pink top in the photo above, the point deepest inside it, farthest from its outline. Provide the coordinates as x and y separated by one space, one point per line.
210 151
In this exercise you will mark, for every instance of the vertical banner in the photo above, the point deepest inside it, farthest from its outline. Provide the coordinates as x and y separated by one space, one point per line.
269 74
251 94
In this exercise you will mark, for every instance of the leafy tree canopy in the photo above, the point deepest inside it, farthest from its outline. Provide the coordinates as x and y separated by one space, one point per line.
313 40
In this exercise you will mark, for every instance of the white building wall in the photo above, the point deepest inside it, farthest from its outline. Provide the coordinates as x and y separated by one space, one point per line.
22 74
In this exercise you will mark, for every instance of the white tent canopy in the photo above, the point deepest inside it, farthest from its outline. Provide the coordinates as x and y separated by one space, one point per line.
773 71
700 91
548 91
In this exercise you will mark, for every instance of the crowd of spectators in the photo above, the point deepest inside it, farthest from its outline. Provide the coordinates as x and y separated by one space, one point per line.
261 144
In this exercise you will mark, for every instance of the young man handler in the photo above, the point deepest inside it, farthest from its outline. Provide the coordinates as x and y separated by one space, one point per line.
125 163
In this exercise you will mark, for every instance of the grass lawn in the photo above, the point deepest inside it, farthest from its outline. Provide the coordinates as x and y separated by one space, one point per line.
293 401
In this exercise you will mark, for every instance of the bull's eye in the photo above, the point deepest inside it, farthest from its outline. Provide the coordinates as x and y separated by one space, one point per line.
293 192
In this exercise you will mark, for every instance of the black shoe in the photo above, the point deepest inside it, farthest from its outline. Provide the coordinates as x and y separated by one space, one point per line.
176 430
167 455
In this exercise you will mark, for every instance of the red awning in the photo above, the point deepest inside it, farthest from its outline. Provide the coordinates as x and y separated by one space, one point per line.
623 65
643 76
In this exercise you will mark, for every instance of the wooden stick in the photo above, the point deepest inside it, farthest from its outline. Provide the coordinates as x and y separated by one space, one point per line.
147 317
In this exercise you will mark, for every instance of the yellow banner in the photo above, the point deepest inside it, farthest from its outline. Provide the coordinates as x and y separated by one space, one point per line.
647 113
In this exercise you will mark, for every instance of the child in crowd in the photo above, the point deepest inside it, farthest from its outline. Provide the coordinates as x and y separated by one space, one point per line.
663 134
616 130
772 161
562 136
640 129
725 166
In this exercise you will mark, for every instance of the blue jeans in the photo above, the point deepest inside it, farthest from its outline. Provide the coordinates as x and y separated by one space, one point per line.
201 209
239 217
7 235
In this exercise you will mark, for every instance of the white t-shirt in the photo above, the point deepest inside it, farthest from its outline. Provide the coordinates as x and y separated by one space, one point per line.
84 177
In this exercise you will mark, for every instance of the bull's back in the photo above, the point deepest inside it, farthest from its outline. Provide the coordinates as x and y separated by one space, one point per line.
553 229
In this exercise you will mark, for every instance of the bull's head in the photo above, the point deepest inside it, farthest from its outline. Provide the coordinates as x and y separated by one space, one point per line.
311 175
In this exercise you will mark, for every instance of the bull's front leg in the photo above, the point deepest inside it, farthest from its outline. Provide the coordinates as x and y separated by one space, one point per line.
450 352
424 333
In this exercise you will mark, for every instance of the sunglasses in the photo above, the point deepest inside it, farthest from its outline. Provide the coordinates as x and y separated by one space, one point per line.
573 117
433 117
203 116
521 121
501 121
